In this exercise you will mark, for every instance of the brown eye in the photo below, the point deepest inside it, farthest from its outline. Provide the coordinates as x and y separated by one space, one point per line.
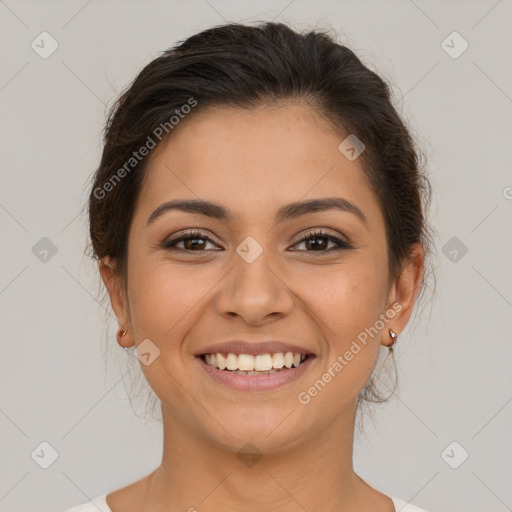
318 241
193 241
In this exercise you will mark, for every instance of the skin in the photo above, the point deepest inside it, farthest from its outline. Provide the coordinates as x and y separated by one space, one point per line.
253 162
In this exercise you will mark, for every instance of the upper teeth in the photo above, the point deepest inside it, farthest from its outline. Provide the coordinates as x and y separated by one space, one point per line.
260 362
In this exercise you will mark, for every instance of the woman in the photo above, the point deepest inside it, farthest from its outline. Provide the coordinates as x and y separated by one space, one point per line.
258 217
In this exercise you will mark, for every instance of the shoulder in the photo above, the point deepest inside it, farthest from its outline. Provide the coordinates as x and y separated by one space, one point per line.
98 504
403 506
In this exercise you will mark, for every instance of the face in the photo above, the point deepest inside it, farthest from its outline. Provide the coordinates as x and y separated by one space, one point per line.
308 281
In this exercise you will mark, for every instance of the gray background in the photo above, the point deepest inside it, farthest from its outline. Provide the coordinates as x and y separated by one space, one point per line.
59 384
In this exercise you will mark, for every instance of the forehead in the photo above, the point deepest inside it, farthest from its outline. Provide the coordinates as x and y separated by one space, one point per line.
254 161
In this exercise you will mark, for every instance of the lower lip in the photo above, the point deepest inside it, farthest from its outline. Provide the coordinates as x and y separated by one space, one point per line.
256 382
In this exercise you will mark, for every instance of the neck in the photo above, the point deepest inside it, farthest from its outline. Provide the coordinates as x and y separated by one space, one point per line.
313 474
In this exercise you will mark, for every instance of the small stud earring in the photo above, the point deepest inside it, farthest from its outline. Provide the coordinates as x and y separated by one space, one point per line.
120 335
394 337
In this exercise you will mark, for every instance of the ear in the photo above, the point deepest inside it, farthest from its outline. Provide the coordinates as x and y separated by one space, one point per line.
116 291
405 290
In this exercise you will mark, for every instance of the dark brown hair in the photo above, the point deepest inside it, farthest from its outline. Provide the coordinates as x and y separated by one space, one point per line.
250 66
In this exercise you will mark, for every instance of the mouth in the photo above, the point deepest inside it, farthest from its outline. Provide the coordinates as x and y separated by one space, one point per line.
255 372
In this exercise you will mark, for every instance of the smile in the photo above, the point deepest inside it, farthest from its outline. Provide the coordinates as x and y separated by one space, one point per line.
255 372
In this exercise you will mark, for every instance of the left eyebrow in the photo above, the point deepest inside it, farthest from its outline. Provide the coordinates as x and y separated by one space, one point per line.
294 210
287 212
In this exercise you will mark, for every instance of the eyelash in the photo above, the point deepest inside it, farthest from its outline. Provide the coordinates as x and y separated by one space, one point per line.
190 235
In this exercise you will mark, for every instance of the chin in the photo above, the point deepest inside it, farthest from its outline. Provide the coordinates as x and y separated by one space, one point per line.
263 434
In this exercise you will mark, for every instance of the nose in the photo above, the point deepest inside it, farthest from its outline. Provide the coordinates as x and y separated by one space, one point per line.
255 291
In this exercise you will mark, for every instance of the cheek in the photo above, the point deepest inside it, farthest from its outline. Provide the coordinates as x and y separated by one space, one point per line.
160 296
351 296
162 301
349 307
167 300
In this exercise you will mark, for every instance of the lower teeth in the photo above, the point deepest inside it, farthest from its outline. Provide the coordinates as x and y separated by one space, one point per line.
253 372
256 372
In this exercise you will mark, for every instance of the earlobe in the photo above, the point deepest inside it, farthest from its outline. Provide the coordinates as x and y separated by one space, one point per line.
121 333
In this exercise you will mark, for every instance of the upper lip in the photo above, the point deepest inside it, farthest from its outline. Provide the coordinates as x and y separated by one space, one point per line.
252 347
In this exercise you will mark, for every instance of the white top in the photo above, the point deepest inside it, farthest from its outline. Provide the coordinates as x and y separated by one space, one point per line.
100 504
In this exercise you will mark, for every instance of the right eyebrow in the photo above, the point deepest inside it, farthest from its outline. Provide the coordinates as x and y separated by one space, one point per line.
197 206
298 209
